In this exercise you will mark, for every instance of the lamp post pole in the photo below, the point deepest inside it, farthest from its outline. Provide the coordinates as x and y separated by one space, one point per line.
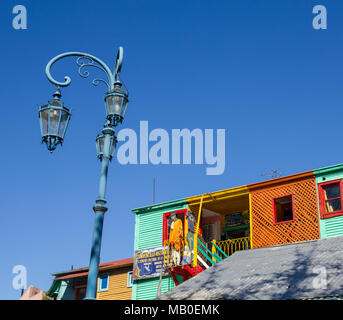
99 210
54 119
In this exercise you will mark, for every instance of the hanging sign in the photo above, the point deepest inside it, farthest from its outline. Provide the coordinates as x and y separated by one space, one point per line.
148 263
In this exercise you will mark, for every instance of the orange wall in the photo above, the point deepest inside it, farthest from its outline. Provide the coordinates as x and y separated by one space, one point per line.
306 223
117 286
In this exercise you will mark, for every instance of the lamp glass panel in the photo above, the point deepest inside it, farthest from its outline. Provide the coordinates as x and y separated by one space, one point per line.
117 105
102 140
123 110
54 121
109 105
64 123
113 146
44 118
100 144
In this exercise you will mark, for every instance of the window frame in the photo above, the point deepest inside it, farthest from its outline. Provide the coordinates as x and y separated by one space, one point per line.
166 215
322 206
129 280
274 209
100 280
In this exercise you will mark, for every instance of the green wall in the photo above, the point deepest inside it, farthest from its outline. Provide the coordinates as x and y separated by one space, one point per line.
331 227
149 234
147 289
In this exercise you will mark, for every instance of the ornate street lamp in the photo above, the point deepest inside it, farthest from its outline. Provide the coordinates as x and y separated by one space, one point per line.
54 119
115 104
100 142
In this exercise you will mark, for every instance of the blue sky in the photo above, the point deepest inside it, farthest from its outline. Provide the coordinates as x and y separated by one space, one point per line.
254 67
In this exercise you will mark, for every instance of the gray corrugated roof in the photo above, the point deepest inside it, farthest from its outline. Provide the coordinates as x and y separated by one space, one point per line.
280 272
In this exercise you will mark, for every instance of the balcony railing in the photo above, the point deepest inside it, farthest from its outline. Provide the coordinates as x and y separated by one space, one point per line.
184 253
232 245
211 255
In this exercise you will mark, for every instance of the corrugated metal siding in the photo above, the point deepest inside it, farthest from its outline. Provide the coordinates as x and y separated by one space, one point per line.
147 289
149 230
332 227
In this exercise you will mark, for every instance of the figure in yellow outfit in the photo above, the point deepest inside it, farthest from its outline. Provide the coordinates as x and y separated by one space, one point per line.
175 238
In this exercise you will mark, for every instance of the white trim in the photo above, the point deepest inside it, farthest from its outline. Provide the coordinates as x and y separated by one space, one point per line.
99 282
203 262
129 279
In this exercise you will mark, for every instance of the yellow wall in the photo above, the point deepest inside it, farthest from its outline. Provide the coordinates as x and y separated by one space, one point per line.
117 286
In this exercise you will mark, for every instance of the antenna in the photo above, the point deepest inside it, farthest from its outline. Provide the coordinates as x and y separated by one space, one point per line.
273 174
153 190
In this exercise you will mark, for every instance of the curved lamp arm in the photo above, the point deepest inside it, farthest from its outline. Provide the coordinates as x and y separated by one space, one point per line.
87 60
119 62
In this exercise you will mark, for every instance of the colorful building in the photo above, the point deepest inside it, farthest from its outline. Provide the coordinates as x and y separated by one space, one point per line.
33 293
114 282
329 192
212 226
284 210
176 240
149 226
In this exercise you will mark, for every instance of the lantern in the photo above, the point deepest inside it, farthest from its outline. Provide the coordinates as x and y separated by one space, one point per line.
115 104
54 119
100 143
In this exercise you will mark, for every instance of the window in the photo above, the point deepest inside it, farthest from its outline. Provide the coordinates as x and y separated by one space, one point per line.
283 209
103 282
129 279
330 196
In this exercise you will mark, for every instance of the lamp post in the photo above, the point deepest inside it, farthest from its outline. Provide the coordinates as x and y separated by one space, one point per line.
54 119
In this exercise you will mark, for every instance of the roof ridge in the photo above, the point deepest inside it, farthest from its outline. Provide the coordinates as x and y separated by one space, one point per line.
105 264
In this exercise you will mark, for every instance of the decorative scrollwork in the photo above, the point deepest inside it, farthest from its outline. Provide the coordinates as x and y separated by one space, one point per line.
87 60
90 63
96 81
